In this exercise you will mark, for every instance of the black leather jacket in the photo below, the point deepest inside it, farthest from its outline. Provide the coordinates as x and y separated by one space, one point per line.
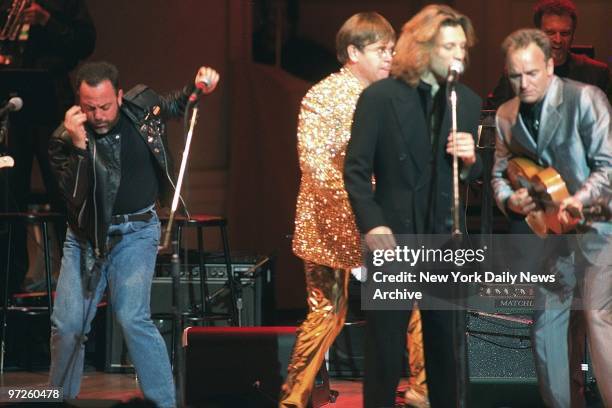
89 179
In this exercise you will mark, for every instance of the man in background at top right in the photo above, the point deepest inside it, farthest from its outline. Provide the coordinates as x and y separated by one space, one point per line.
559 19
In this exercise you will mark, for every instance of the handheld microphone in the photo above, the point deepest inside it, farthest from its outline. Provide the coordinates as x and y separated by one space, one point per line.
13 105
199 87
455 69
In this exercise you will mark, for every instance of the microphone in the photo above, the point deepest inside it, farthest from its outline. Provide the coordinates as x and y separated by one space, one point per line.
199 87
13 105
454 70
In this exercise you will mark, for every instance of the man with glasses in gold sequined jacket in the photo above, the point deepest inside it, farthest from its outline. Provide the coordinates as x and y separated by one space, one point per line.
326 237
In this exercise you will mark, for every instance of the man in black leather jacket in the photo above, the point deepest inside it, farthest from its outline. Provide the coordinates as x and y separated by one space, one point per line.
112 164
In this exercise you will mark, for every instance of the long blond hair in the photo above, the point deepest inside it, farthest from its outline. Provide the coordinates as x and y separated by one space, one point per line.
412 52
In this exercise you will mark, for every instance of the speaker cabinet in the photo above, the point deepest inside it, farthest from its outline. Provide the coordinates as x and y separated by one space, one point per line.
241 367
500 359
256 286
500 348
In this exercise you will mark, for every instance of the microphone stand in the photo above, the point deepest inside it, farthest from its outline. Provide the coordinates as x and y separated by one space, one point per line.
457 234
458 316
179 360
5 161
486 146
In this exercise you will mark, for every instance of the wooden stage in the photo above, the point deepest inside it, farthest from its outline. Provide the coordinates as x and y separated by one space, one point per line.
99 385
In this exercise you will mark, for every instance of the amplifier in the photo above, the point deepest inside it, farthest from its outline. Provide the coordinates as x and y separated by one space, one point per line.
256 287
503 298
215 272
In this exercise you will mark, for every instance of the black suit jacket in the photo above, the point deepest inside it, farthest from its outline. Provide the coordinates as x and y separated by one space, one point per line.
391 140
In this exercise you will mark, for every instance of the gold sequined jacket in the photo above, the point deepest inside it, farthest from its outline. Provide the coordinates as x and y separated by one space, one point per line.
325 230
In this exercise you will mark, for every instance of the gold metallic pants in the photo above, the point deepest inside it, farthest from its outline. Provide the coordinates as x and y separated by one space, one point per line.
416 356
326 290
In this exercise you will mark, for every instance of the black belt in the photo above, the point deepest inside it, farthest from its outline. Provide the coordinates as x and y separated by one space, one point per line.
120 219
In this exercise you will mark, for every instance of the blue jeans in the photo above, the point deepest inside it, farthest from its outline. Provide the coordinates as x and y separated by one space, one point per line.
128 272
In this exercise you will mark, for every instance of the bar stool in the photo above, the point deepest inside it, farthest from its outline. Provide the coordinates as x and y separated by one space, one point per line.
43 219
201 313
201 221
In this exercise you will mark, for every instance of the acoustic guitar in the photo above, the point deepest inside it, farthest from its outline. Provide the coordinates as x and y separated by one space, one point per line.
548 190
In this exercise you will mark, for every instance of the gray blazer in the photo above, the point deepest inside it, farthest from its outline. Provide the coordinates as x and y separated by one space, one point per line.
576 139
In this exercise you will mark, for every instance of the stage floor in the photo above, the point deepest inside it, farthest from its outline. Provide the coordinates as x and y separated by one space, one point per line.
98 385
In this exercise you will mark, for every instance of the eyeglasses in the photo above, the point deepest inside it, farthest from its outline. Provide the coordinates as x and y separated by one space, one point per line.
381 51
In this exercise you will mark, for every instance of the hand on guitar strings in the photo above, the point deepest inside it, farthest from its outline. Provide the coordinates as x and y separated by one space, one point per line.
521 202
570 212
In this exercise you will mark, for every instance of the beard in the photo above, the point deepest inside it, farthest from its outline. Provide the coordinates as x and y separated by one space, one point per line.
103 127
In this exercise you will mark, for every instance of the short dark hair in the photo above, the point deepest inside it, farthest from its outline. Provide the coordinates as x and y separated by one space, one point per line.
94 73
522 38
555 7
360 30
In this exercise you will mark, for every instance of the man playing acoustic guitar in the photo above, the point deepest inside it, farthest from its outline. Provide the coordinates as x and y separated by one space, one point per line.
565 125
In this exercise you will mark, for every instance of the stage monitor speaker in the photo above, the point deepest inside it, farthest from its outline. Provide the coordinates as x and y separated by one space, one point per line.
256 298
500 359
242 367
500 348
